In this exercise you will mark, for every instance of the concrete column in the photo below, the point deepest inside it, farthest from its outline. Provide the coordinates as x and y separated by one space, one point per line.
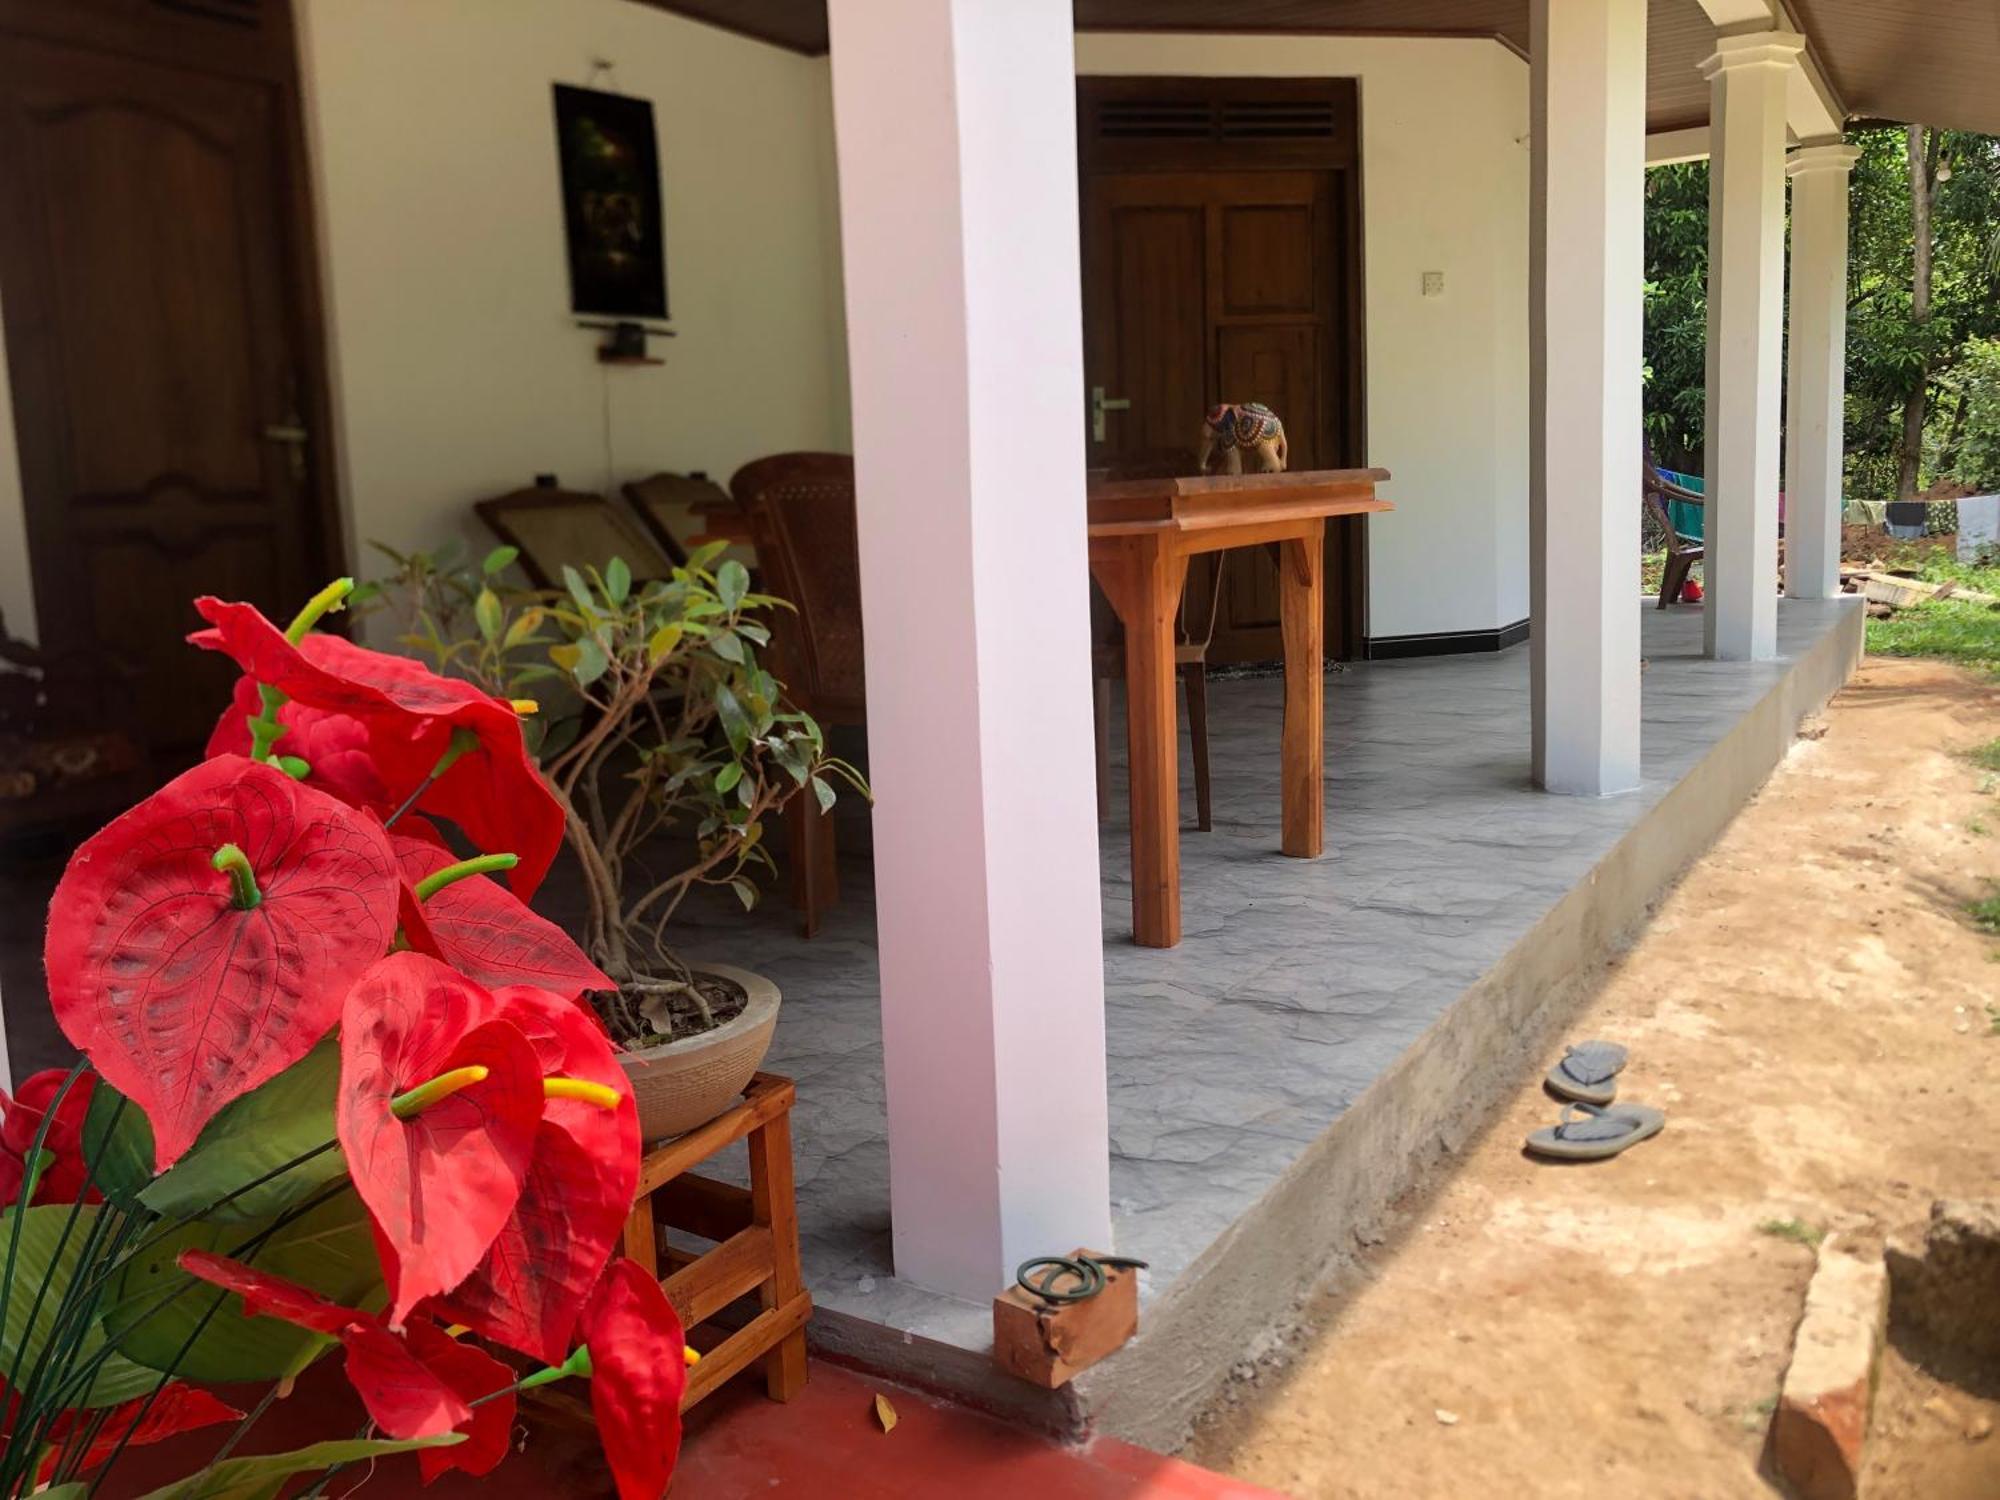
1816 368
1748 76
1587 270
955 125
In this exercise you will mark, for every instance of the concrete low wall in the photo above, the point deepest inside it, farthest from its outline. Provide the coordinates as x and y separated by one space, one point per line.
1443 1090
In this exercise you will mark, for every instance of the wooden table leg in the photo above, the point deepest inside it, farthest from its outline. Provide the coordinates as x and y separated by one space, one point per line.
1142 577
641 1238
773 1205
1301 604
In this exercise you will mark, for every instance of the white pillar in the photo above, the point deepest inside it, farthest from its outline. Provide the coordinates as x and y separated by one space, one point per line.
1747 77
1816 368
955 124
1585 350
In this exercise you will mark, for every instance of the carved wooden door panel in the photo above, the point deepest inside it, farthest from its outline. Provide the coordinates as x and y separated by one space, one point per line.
157 340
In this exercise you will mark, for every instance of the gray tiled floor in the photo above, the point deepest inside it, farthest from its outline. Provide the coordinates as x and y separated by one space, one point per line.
1297 982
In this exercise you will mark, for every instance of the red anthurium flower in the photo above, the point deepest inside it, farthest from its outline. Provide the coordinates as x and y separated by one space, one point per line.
410 714
485 933
472 1373
67 1175
334 745
403 1394
638 1373
177 1409
189 984
530 1289
441 1183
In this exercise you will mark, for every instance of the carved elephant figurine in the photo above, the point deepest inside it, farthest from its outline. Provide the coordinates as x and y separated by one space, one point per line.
1231 432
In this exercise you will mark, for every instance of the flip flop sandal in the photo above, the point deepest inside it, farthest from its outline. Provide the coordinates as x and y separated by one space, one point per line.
1588 1133
1588 1073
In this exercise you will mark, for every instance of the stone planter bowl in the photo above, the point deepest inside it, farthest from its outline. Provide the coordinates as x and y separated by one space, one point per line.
684 1084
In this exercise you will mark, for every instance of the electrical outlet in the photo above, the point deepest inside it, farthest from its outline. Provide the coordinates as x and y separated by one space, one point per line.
1433 283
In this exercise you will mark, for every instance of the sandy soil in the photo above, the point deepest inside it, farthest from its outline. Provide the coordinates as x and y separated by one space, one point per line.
1809 1007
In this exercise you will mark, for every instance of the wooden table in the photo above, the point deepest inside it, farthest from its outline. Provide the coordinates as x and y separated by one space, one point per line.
1142 533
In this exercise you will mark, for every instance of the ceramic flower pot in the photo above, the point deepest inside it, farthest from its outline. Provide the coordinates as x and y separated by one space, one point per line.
684 1084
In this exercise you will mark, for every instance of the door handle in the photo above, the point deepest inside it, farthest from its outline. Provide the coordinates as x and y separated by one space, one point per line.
295 437
1099 405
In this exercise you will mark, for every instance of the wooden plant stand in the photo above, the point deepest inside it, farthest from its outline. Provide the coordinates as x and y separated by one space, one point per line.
755 1231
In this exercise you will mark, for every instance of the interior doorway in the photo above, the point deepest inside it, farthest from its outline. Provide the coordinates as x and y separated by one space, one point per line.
163 334
1221 254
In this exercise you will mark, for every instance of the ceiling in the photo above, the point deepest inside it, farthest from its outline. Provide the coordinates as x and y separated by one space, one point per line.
1933 61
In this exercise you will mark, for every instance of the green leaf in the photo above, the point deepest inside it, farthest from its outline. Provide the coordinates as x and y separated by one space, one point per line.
261 1476
663 642
725 645
566 656
746 892
48 1255
824 792
486 610
498 559
330 1249
591 662
617 580
735 722
728 776
578 590
706 553
256 1134
732 582
118 1146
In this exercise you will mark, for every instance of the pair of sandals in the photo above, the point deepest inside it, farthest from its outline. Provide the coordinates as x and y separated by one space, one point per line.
1592 1128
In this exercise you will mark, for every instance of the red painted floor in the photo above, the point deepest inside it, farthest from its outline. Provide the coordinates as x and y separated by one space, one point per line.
827 1445
823 1445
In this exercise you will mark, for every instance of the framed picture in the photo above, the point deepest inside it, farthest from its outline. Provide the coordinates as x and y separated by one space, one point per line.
611 204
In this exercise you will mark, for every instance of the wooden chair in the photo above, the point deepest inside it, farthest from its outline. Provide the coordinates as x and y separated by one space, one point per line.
665 501
553 528
1683 550
800 507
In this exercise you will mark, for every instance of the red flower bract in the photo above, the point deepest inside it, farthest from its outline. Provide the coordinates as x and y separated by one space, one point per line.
410 713
403 1394
486 934
530 1289
440 1184
178 1408
638 1374
473 1374
334 745
67 1174
181 999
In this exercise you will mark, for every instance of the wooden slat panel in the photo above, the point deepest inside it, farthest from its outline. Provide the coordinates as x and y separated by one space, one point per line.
702 1206
767 1097
749 1342
735 1268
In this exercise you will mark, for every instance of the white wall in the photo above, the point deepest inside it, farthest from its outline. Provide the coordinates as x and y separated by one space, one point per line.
457 368
1444 171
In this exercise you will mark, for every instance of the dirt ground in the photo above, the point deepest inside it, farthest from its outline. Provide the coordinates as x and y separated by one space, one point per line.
1810 1007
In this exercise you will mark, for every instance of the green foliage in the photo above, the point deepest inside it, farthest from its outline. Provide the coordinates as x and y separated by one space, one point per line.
1951 355
1986 756
53 1256
656 719
1985 913
1798 1231
263 1476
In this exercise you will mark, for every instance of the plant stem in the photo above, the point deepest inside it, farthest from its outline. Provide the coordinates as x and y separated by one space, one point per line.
242 879
462 740
483 864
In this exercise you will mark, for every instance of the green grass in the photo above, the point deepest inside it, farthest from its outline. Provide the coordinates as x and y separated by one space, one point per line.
1986 756
1968 634
1986 914
1798 1231
1993 1020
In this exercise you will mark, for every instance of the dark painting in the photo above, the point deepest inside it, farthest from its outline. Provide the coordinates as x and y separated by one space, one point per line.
611 204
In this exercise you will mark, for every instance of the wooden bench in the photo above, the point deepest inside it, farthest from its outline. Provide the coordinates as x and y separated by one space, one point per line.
755 1237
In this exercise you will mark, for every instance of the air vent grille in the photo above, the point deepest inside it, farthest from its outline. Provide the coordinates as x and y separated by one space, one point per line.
245 13
1216 120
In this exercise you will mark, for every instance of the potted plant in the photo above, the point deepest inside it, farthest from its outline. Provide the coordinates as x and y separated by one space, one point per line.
337 1093
655 721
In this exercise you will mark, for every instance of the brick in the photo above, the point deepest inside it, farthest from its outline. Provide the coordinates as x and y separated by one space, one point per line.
1822 1418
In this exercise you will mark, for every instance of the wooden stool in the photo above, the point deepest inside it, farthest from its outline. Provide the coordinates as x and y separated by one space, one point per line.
756 1235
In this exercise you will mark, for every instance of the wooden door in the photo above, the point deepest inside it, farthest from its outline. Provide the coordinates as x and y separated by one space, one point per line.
160 333
1213 284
